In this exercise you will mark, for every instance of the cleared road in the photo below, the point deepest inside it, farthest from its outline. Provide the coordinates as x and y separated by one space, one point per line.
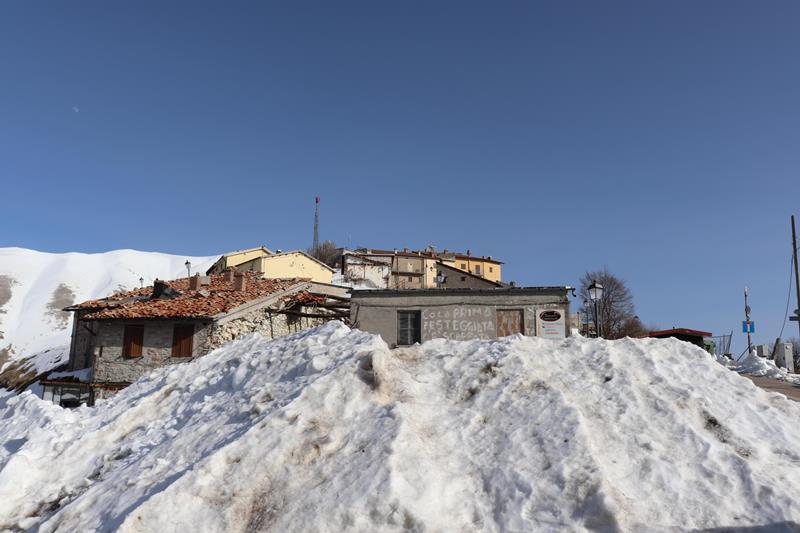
789 390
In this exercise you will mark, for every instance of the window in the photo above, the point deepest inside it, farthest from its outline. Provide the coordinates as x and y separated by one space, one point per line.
478 269
182 335
491 269
408 327
132 340
463 266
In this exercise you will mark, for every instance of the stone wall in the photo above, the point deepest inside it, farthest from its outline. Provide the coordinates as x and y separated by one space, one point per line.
84 333
111 366
263 321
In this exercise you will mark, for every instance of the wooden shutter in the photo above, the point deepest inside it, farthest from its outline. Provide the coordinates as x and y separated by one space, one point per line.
132 341
182 336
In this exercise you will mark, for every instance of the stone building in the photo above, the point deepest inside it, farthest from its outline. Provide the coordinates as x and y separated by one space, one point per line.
404 317
418 269
117 339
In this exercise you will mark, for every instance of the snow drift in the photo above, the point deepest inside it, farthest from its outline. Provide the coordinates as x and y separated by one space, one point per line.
329 430
36 286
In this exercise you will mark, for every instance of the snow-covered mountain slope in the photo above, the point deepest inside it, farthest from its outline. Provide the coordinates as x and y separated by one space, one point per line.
329 430
35 286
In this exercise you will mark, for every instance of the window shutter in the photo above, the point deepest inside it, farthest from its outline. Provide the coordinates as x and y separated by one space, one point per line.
132 341
182 336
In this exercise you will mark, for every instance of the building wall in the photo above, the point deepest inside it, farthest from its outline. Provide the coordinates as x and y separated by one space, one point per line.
84 335
459 279
458 317
366 272
409 272
478 266
295 265
235 259
111 366
269 324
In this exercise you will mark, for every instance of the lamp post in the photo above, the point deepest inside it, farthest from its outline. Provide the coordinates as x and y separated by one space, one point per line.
188 265
141 282
596 294
439 279
586 314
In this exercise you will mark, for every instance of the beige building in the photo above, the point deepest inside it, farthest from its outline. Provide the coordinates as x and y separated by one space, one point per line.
418 269
293 264
234 259
485 267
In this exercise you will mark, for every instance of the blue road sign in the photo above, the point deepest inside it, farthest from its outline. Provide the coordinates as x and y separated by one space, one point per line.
748 327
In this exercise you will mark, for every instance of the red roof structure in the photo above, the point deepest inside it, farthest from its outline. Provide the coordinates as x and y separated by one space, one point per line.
679 331
694 336
175 298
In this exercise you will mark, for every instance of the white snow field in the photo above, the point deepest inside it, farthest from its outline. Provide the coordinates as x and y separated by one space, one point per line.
35 286
328 430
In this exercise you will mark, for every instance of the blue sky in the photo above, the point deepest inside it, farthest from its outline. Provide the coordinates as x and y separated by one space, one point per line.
659 140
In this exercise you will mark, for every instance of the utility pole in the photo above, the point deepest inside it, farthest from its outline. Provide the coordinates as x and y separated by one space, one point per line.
747 320
796 276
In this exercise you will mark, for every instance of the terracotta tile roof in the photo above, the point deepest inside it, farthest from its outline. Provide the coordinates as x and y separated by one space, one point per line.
217 297
305 298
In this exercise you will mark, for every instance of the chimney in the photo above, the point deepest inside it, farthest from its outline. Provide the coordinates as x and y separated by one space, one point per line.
469 252
194 282
228 274
158 288
239 282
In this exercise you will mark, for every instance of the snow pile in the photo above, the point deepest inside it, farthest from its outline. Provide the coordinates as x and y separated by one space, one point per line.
328 430
36 286
754 365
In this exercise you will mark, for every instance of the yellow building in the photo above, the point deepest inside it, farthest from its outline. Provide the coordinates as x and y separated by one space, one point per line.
417 269
485 267
294 264
234 259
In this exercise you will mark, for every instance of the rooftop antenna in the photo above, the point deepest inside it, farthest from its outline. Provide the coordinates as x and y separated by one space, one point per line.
315 245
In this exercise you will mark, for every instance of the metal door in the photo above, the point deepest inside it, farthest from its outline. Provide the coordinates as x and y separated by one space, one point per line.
509 322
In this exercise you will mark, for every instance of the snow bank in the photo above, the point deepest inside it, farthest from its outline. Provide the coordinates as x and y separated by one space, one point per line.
759 366
35 286
328 430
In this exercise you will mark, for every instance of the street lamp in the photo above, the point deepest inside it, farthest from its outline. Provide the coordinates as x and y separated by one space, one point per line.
596 294
586 315
439 279
188 265
141 282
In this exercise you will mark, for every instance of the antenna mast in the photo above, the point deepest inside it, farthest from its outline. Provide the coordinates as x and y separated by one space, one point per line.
315 246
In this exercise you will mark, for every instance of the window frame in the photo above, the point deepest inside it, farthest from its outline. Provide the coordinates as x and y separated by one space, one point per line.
404 326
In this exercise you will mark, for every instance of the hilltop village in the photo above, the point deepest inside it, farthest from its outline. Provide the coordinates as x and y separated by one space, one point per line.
405 296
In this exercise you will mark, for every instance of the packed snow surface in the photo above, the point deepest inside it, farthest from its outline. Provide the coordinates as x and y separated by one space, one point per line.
329 430
759 366
36 286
